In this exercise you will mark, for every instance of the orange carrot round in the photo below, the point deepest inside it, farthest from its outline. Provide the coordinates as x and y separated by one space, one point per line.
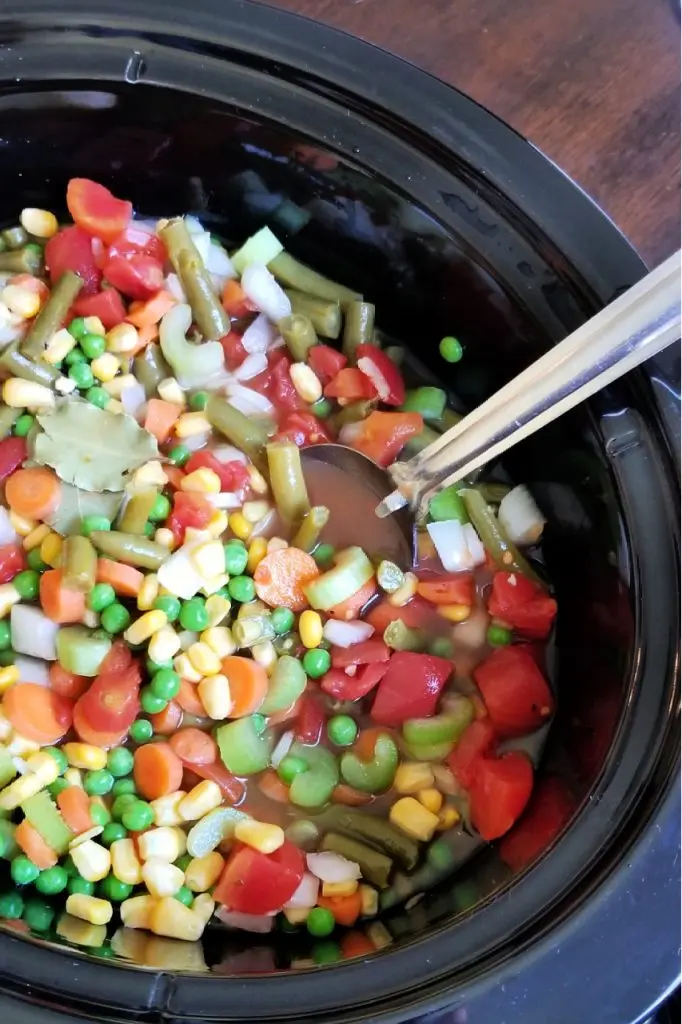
74 803
144 314
34 846
60 604
272 786
167 721
281 576
33 493
188 699
194 746
37 713
125 579
66 684
157 770
346 909
248 684
95 736
343 794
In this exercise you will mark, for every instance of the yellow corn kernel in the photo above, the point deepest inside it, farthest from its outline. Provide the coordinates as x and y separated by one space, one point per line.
89 908
25 394
254 511
172 918
131 944
181 837
306 382
252 609
94 325
336 889
454 612
265 655
203 659
192 423
204 905
379 934
183 666
170 391
19 746
447 818
21 301
165 538
166 808
9 595
260 835
51 550
214 584
208 558
431 798
41 223
240 526
19 790
220 640
218 608
86 756
118 385
83 837
276 544
296 915
36 537
203 872
162 842
310 629
8 677
214 694
258 549
59 346
105 367
164 645
405 592
122 339
92 861
73 777
148 592
413 819
203 480
370 901
257 481
136 912
39 764
145 627
217 524
161 877
199 801
412 776
149 475
22 526
81 933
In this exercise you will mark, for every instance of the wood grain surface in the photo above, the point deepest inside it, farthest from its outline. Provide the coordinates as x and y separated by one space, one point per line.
595 84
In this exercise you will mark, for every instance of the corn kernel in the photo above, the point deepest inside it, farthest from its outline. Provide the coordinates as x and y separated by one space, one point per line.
118 385
199 801
136 912
411 776
254 511
149 475
105 367
59 346
190 424
214 694
74 777
148 592
208 558
51 550
181 837
122 339
170 391
165 538
277 544
162 842
203 872
265 655
86 756
93 325
166 808
306 382
39 764
339 889
370 901
203 659
172 918
204 905
220 640
257 481
405 592
217 524
8 677
92 860
296 915
447 818
22 526
37 222
25 394
21 301
81 933
261 836
431 798
203 481
310 629
164 645
413 819
19 790
454 612
161 877
218 608
145 627
240 526
378 933
36 537
183 666
258 549
89 908
214 584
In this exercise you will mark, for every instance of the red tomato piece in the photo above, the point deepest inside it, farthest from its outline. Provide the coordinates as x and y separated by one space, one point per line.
499 792
259 883
383 435
303 429
230 786
71 249
515 692
233 475
235 353
12 561
134 241
13 452
310 720
117 660
107 305
335 683
410 688
137 276
460 588
96 210
351 385
365 653
188 510
523 604
551 806
416 614
383 373
326 362
113 701
478 740
282 392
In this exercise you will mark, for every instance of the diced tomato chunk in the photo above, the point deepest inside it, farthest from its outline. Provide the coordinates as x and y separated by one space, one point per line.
326 362
12 561
189 509
71 249
478 740
96 210
137 276
235 353
310 719
523 604
107 305
515 692
499 791
351 385
459 588
303 428
335 683
383 373
383 435
13 452
410 688
233 475
259 883
367 652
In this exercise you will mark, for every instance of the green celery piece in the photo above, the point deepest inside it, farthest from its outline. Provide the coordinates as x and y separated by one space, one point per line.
7 769
259 248
80 652
313 787
244 747
287 683
193 365
444 728
47 821
210 830
352 570
7 829
371 776
431 751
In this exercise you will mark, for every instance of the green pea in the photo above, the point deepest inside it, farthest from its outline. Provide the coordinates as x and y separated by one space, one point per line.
5 635
80 886
289 767
327 952
322 408
121 803
498 636
236 558
57 787
141 730
169 605
77 328
165 684
120 761
451 349
185 895
24 424
198 401
184 861
441 647
27 583
76 355
112 832
160 509
97 783
6 657
151 704
82 375
93 345
11 905
70 868
149 529
59 756
122 786
179 455
115 618
342 730
138 816
101 596
115 890
38 915
193 615
320 922
23 870
324 555
52 880
100 815
91 523
316 662
98 396
35 560
282 620
242 589
155 666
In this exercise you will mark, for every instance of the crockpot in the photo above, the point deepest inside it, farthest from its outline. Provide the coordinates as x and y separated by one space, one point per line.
384 178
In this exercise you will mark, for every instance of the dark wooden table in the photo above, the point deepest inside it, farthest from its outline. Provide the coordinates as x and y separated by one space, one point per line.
593 83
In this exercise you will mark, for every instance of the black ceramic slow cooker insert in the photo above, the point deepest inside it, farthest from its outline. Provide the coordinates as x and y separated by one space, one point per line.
384 178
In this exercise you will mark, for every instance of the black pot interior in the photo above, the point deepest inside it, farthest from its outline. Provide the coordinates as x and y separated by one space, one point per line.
172 152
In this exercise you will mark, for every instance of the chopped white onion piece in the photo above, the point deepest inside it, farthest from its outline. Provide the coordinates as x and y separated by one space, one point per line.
254 364
193 225
178 575
228 453
261 288
32 670
263 525
248 401
306 894
474 544
33 633
260 924
174 286
8 534
282 748
219 263
345 634
259 335
450 542
195 442
520 517
225 500
332 867
133 398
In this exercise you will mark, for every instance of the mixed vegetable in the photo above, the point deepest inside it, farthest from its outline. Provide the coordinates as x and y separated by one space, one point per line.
209 709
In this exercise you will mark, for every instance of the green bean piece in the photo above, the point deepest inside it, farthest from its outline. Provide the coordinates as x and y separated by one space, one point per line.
307 536
401 637
299 335
8 417
3 244
376 867
21 261
390 576
79 562
354 413
493 492
370 829
253 630
136 513
324 314
245 433
293 274
503 552
429 402
15 238
18 365
150 368
129 548
209 315
358 328
303 833
287 481
52 315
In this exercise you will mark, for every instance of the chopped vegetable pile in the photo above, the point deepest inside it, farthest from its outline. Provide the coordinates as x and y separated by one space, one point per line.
210 711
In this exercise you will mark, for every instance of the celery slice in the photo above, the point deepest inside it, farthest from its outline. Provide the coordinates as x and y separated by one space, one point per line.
47 821
259 248
352 570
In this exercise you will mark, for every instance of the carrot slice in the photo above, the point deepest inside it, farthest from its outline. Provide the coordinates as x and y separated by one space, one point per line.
161 418
60 604
66 684
37 713
194 746
145 314
235 301
95 736
356 944
34 846
248 684
346 909
74 803
281 576
33 493
353 605
146 334
157 770
125 579
272 786
188 699
167 721
343 794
